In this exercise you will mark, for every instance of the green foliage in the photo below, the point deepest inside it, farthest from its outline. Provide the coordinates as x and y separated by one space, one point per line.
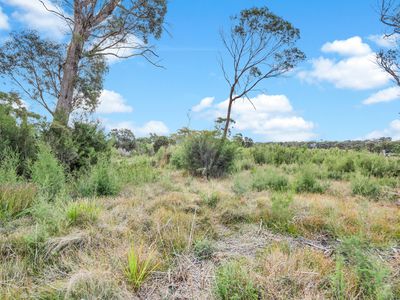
137 170
281 214
100 180
78 148
241 184
82 212
16 197
203 249
47 173
212 199
306 182
177 159
232 281
8 167
124 139
366 186
372 275
159 141
141 263
269 180
378 166
338 165
338 281
209 156
17 132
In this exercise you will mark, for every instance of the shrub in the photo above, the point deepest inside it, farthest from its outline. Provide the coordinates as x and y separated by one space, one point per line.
8 167
141 263
233 282
101 180
306 182
124 139
15 198
372 275
79 147
241 184
203 249
209 156
269 179
47 173
82 212
138 170
259 155
212 199
177 159
365 186
159 141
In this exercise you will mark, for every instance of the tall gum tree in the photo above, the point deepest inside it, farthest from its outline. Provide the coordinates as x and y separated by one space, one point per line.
260 45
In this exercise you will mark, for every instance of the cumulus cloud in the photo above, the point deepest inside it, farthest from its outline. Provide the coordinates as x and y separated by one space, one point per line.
4 25
34 15
274 118
112 102
351 47
392 131
355 68
156 127
386 95
204 103
384 41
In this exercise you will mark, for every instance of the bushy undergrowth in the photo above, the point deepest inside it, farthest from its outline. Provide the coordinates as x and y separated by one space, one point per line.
306 182
17 197
47 173
207 155
82 212
269 180
232 281
365 186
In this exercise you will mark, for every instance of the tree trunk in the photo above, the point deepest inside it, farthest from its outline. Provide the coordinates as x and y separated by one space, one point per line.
70 71
228 118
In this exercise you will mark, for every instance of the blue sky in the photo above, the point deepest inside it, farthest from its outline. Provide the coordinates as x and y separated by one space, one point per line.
338 93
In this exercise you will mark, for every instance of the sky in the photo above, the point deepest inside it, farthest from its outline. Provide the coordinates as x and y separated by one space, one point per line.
337 93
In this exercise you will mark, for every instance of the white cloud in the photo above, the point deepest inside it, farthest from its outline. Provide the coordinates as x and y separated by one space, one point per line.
34 15
4 25
357 71
392 131
351 47
386 95
204 103
274 118
112 102
384 41
156 127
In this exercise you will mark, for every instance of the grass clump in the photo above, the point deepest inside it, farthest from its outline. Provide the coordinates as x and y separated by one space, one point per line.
203 249
15 198
142 262
136 171
233 282
269 180
211 200
365 186
82 212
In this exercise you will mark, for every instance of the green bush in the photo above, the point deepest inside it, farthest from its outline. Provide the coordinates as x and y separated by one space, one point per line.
101 180
306 182
177 159
47 173
208 155
232 281
269 180
372 275
80 147
339 165
365 186
241 184
212 199
378 166
203 249
136 171
8 167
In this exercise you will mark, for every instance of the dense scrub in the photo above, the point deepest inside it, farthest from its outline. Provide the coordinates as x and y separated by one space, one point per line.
104 229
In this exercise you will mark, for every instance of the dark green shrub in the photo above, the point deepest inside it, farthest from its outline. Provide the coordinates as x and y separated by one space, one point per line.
79 147
159 141
123 139
269 180
232 281
208 155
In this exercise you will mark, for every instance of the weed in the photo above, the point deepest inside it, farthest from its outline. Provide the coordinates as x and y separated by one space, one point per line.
203 249
82 212
366 187
269 179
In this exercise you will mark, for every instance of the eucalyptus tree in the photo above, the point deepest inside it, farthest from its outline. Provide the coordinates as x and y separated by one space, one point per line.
72 74
260 45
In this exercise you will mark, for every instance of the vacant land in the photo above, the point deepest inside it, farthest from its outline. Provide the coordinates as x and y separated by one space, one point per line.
285 223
